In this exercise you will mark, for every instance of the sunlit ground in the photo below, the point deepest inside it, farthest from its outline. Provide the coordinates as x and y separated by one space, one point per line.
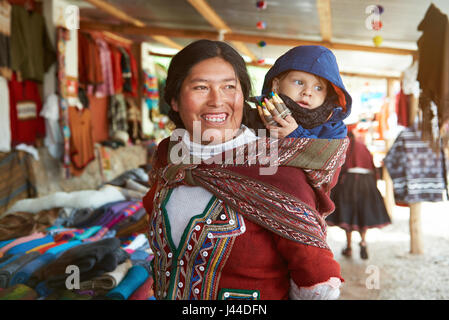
400 275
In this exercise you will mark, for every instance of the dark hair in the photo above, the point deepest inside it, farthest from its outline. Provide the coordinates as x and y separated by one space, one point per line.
194 53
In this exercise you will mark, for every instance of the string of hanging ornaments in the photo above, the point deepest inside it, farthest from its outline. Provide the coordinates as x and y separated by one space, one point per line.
373 22
261 25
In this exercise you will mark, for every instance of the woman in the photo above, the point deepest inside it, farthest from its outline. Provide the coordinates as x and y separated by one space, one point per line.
359 206
219 227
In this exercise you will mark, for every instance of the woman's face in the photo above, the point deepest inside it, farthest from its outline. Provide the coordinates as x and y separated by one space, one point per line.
211 98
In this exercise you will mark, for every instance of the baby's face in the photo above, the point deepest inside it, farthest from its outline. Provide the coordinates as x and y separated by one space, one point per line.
306 89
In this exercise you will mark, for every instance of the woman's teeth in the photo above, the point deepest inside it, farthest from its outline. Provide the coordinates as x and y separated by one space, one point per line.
220 118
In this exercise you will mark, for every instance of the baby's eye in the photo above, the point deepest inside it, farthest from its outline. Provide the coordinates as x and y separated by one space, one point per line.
298 82
318 88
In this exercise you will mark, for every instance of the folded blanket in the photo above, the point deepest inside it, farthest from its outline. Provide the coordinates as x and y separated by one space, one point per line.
24 273
140 226
8 271
18 292
28 273
109 280
88 233
130 220
21 240
135 277
9 258
5 242
92 259
144 292
140 241
27 246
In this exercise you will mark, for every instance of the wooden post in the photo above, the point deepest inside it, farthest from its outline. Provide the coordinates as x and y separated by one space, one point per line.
416 244
389 193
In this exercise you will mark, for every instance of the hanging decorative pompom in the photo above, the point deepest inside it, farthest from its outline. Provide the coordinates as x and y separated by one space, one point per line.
378 40
261 61
376 25
261 43
261 25
380 8
261 5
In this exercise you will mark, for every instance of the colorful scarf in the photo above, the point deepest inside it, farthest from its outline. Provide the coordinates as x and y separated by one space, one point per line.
265 199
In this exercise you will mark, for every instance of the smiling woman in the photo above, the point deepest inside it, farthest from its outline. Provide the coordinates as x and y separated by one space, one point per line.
208 83
219 227
212 96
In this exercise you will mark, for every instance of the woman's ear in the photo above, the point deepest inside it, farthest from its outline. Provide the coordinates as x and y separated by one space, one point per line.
174 105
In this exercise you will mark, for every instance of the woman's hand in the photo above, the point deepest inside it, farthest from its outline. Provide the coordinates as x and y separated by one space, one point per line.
286 126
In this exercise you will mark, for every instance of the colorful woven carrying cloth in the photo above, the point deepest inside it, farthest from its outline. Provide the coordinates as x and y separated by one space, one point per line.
283 202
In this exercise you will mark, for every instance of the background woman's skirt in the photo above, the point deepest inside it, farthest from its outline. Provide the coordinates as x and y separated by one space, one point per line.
358 203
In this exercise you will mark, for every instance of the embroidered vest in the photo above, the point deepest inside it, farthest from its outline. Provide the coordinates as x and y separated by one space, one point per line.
192 270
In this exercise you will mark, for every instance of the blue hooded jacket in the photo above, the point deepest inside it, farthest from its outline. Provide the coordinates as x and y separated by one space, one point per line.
320 61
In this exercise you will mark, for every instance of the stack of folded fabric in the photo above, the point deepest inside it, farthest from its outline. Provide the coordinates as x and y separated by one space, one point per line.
11 267
92 259
134 279
101 285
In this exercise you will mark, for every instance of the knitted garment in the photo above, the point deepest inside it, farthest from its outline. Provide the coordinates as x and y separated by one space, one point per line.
329 290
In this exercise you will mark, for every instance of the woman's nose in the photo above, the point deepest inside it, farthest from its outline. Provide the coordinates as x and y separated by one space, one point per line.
215 97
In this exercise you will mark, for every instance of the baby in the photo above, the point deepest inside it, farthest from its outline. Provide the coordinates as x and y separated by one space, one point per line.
308 80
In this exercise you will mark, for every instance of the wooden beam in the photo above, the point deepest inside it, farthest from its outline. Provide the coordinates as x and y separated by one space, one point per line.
218 23
267 66
115 12
209 14
325 16
168 42
121 15
245 38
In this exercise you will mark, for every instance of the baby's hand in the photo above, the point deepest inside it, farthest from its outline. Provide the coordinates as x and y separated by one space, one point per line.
286 126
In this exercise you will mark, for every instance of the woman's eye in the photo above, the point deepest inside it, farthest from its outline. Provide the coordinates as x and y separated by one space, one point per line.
230 86
200 88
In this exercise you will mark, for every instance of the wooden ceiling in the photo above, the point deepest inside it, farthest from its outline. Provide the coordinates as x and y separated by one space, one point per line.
337 24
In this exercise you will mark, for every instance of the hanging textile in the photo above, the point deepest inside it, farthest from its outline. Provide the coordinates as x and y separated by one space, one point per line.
5 39
402 108
116 58
150 90
54 140
81 143
416 171
62 37
32 53
25 105
433 72
5 128
107 87
117 116
90 70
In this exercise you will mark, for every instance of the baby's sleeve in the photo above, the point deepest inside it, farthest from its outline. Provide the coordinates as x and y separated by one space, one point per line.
314 273
300 132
